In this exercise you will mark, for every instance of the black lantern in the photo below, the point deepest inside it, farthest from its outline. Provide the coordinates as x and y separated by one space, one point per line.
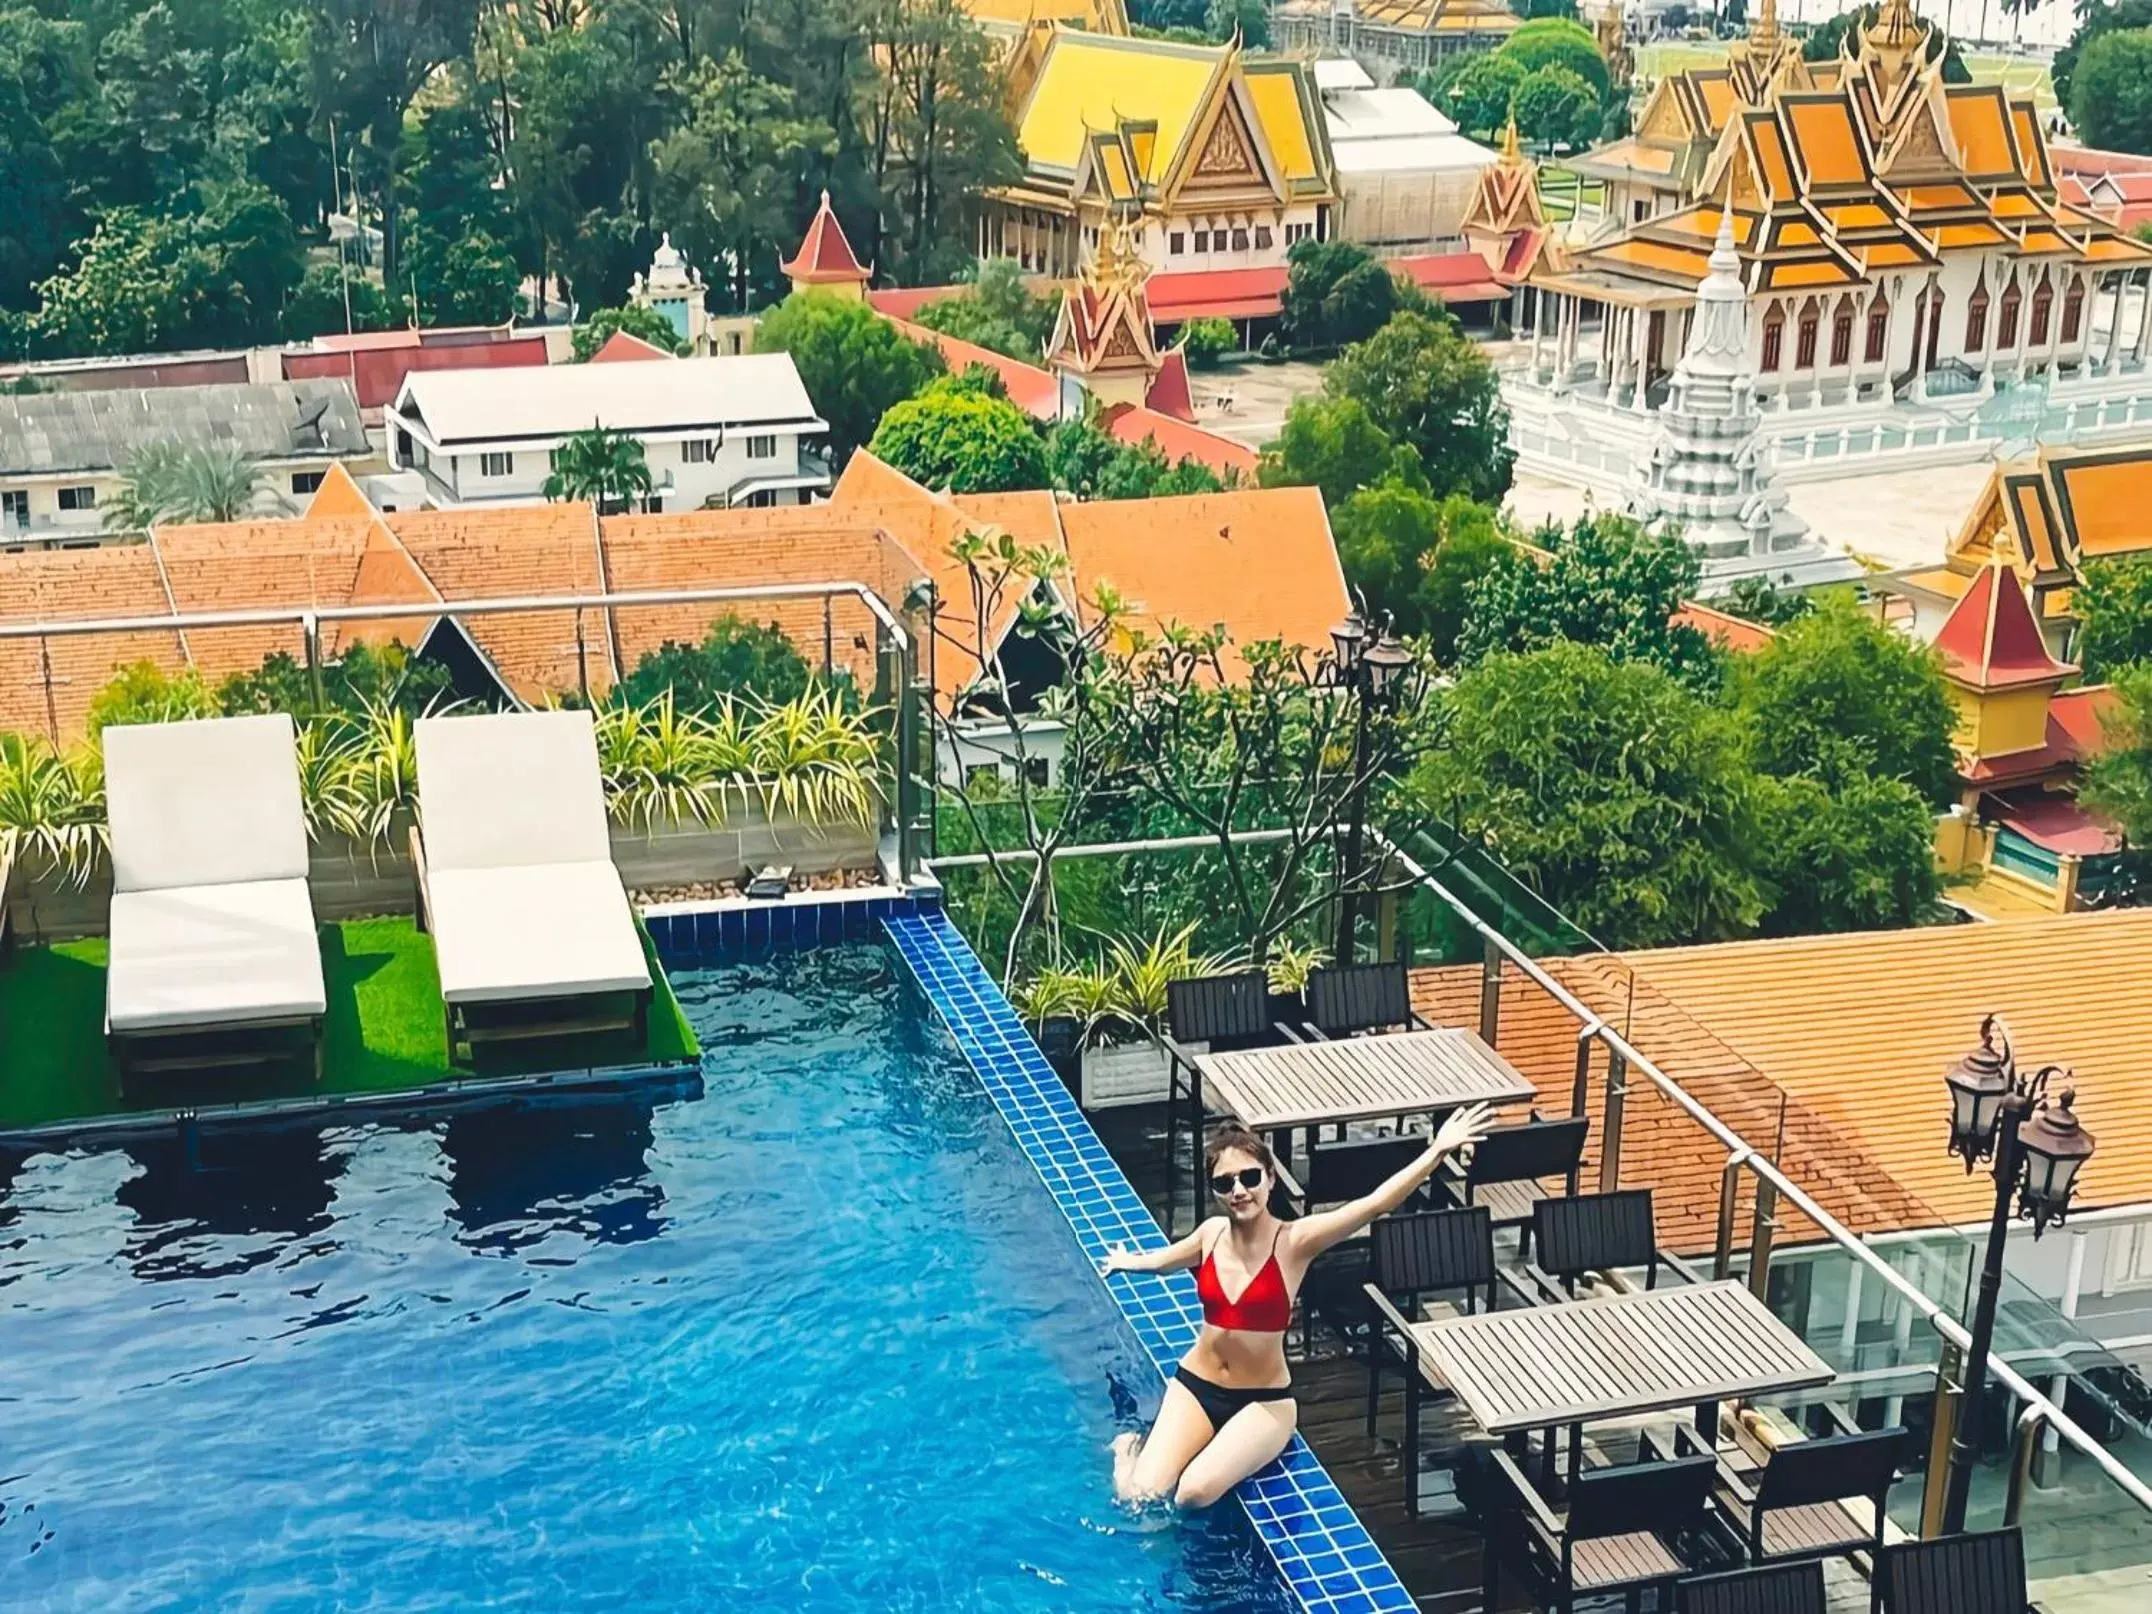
2055 1147
1386 662
1347 641
1979 1083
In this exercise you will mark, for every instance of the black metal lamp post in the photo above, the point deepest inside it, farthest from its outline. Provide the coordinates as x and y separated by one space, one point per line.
2038 1148
1372 672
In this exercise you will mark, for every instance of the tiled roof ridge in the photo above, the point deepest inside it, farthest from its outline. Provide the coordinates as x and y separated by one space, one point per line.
171 598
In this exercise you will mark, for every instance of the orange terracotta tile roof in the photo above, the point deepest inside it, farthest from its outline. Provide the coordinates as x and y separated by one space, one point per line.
1259 561
338 495
1179 440
825 257
46 685
625 347
1860 1028
1728 632
475 554
1032 389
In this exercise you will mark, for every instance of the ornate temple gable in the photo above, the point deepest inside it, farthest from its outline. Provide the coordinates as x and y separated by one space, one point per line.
1504 222
1225 151
1104 326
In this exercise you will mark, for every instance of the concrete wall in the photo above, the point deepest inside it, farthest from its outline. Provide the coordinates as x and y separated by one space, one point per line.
459 478
350 880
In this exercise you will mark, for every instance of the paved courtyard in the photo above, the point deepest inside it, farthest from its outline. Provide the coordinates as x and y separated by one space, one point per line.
1247 402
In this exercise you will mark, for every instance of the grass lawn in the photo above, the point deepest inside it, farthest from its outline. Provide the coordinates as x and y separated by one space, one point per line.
2020 75
384 1031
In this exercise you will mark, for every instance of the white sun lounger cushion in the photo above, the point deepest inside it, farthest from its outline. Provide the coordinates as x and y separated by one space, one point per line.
510 790
213 955
555 930
213 801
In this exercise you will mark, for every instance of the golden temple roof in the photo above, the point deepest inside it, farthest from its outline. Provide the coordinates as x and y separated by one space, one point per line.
2059 509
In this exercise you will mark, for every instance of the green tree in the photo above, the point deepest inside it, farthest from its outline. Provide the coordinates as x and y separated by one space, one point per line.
1758 599
1203 342
470 280
2118 784
1335 292
143 692
1559 41
856 365
728 171
1558 106
1837 695
958 440
1609 788
2111 94
637 319
736 659
1478 93
1611 584
600 467
316 306
1083 460
169 482
998 313
1333 444
1470 548
2114 614
2093 21
365 677
1860 856
1826 42
1248 19
1430 388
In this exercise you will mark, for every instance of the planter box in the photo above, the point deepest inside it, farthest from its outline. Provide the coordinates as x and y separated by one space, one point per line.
1123 1073
350 878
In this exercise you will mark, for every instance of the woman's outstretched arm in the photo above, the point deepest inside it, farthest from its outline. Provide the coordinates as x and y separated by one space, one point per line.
1185 1252
1312 1235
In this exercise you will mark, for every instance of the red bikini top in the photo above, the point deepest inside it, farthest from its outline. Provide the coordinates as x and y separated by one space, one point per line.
1264 1307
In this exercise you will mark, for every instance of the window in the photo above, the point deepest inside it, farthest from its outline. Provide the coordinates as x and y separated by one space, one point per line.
2043 311
1262 238
762 448
1878 330
1774 338
15 510
1039 772
1240 240
1177 242
1202 240
2073 311
762 499
1976 320
1298 232
1640 210
1842 334
305 481
1804 345
496 465
2006 331
78 498
697 451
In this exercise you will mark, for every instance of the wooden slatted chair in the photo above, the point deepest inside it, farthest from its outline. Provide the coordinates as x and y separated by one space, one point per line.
1797 1506
1773 1589
1511 1165
1618 1534
1981 1572
1353 998
1221 1011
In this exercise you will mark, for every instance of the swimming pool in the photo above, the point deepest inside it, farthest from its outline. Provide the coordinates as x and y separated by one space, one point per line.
815 1339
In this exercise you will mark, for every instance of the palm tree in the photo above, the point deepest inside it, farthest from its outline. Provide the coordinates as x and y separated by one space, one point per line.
184 482
604 467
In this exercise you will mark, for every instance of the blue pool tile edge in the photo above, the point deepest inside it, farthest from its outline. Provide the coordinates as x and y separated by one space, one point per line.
1323 1552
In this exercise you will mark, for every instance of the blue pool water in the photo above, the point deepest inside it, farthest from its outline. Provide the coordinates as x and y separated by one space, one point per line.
816 1339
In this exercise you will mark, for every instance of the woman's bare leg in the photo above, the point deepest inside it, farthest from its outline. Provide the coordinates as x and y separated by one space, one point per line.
1250 1438
1145 1472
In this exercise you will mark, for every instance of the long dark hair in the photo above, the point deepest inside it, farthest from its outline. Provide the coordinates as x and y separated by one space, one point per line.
1231 1135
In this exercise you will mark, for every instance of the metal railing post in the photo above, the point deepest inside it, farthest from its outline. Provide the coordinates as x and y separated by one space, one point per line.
1935 1486
582 658
1490 992
2024 1452
1762 1226
310 635
907 759
1722 1253
1610 1132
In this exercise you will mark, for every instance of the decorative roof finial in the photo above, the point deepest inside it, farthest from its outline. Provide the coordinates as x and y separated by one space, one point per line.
1510 149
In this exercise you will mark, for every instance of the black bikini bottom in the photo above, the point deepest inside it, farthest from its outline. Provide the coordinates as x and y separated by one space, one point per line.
1219 1403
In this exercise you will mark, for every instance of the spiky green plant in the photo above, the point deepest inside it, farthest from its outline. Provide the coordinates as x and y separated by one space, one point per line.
656 761
1142 970
1291 964
330 756
381 774
52 805
814 759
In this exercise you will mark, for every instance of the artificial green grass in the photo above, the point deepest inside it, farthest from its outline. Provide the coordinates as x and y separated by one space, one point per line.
384 1031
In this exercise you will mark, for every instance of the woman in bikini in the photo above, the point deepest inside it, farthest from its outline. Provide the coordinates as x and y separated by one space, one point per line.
1229 1408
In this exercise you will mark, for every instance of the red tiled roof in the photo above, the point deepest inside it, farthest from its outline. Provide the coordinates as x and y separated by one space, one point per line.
2080 714
1170 394
902 302
376 374
1215 294
1178 440
1991 639
2056 823
625 347
2090 161
1728 632
1030 388
1456 277
825 256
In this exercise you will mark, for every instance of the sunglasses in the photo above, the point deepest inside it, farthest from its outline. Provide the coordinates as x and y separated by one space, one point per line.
1249 1177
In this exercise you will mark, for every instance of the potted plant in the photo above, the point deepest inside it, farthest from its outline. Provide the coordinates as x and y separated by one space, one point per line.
1054 1002
1289 967
1124 1058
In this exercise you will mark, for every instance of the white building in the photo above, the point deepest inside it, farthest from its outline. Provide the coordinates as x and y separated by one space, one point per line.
716 432
1405 175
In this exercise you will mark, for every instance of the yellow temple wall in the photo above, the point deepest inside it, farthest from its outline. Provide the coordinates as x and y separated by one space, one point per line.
1999 722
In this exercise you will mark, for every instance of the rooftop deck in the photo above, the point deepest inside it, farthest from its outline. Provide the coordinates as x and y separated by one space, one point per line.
383 1035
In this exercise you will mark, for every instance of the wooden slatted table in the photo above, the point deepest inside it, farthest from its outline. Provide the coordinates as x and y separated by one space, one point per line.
1359 1079
1615 1356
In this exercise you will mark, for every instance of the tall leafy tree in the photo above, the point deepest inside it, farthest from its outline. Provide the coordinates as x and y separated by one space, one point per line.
1431 388
180 482
735 659
601 467
1335 292
856 365
2119 782
2114 614
1332 443
637 319
999 313
2111 93
954 437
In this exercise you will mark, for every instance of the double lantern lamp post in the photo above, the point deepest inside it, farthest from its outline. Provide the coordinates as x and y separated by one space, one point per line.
1373 672
2038 1148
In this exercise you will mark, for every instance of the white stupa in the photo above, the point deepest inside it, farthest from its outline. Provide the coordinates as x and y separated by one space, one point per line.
1708 471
